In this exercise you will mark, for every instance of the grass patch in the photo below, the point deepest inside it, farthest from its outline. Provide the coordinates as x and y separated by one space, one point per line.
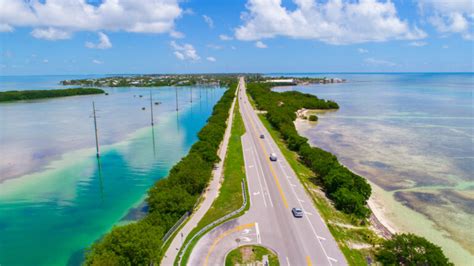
250 255
230 194
343 227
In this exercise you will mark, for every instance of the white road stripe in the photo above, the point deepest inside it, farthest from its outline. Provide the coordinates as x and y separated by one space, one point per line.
263 177
257 229
258 178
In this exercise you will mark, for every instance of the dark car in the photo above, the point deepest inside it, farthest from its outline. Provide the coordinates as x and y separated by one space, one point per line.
262 136
297 212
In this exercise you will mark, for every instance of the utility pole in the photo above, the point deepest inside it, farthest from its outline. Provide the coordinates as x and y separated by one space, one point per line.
191 96
176 90
151 108
95 129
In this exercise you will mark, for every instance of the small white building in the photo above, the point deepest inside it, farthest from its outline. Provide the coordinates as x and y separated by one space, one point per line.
281 80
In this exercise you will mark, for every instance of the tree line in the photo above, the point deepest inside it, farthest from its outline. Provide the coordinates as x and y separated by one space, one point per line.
7 96
168 200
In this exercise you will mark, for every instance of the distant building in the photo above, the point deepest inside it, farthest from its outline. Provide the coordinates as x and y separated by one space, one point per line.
280 80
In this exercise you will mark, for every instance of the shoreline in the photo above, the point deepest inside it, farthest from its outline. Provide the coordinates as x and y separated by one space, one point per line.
390 216
379 222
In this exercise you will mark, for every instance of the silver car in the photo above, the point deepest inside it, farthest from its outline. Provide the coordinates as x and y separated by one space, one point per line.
297 212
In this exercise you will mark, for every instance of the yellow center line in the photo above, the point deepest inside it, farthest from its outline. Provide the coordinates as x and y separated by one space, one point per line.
224 234
271 167
308 261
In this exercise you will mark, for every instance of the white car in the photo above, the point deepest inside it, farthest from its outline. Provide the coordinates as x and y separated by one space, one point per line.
273 157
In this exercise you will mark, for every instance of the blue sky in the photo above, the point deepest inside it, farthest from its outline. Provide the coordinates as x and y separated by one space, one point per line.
170 36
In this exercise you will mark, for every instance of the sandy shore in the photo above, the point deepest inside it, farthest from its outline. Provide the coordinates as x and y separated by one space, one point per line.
379 219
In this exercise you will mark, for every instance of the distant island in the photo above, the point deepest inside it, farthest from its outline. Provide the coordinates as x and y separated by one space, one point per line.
8 96
155 80
158 80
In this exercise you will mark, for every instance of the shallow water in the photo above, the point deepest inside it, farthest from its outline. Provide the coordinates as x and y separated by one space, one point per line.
411 135
57 198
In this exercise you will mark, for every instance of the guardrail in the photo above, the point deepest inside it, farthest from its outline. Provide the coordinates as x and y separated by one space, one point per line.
218 221
175 226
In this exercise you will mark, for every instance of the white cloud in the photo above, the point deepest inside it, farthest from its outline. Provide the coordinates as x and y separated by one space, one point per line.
50 34
418 44
455 16
78 15
45 61
179 55
260 44
5 27
176 34
185 51
334 21
104 42
445 47
379 62
224 37
97 62
362 51
208 21
211 59
233 48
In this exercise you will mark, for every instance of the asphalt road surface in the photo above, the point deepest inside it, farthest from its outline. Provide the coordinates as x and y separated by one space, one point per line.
274 190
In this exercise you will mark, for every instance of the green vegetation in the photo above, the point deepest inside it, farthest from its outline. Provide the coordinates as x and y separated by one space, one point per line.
313 118
348 191
409 249
250 255
8 96
168 200
230 194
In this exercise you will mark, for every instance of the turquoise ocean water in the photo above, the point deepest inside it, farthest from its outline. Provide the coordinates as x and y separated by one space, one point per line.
56 198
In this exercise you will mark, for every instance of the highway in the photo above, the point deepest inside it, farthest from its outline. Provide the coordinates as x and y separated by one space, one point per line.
274 190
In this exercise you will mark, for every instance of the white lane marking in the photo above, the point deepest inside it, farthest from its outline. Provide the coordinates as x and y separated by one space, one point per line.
288 261
333 259
258 178
245 231
300 200
245 239
322 238
246 174
308 213
258 233
260 170
256 193
250 166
